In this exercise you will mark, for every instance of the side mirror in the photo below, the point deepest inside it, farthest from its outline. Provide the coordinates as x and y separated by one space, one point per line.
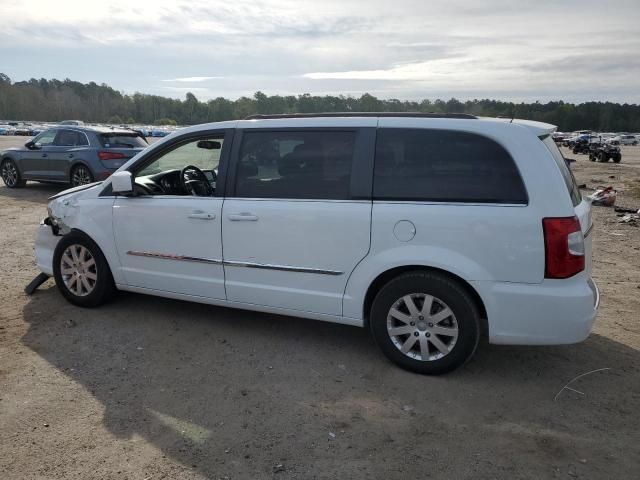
122 183
31 145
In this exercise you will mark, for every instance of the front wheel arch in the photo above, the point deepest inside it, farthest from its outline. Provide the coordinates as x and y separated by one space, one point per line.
388 275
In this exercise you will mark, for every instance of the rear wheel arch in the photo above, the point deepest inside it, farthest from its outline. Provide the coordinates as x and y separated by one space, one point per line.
75 165
388 275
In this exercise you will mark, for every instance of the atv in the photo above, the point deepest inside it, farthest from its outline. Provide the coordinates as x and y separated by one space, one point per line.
604 152
581 146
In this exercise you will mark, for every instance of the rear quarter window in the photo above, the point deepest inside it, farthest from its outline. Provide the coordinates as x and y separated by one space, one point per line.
444 166
567 175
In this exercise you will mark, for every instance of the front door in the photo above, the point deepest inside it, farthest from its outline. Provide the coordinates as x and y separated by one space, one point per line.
34 162
292 230
168 236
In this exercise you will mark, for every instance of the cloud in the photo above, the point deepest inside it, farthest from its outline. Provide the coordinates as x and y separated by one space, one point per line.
407 49
190 79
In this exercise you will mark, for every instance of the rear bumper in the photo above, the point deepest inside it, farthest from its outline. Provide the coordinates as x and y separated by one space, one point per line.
45 244
554 312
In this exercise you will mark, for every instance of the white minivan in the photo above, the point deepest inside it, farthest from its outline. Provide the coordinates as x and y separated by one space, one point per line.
434 231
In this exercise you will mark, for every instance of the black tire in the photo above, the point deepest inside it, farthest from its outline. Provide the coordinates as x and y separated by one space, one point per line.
10 174
80 175
603 157
592 157
616 158
445 291
575 151
103 288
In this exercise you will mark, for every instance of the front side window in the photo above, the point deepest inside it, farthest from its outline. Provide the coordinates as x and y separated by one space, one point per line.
45 139
190 168
444 166
295 164
70 138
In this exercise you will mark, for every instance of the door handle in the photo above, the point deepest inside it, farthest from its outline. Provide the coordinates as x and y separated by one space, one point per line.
71 155
44 155
243 217
202 215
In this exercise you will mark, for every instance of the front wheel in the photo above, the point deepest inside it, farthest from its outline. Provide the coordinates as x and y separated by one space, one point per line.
617 158
80 175
11 175
425 322
82 273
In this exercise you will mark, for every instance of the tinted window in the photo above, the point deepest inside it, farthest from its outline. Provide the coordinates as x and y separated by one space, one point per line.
130 140
303 164
567 175
446 166
71 138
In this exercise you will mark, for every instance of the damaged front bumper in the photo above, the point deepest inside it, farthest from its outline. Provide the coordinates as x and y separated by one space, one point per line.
45 245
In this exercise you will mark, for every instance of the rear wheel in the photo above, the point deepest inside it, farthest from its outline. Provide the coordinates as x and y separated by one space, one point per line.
11 174
82 273
425 322
80 175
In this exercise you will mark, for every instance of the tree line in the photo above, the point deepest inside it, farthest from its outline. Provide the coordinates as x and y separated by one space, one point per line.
55 100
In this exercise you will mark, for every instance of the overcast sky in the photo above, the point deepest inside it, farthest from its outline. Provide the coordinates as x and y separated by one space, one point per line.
513 50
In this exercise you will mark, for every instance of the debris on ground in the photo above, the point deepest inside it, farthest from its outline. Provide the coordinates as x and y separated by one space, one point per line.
69 323
630 218
604 196
278 468
626 210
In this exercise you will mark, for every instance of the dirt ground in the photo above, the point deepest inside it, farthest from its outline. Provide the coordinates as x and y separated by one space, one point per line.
148 388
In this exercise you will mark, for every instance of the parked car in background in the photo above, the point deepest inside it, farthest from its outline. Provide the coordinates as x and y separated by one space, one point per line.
75 155
158 132
23 130
623 140
433 231
77 123
6 129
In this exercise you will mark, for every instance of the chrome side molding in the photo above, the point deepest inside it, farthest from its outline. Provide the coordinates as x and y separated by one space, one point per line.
284 268
230 263
182 258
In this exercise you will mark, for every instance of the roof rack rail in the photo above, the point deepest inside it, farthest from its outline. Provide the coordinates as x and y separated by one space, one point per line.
361 114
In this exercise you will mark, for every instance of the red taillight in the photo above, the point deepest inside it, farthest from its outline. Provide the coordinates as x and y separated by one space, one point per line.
563 247
103 155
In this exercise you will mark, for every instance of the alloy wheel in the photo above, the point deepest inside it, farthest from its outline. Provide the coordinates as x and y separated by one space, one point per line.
422 327
9 174
78 270
81 176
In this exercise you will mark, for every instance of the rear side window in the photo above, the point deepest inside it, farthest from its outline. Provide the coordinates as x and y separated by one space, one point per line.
71 138
122 141
295 164
444 166
567 175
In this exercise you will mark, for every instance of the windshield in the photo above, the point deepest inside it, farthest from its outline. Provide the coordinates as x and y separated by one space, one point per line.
569 180
123 140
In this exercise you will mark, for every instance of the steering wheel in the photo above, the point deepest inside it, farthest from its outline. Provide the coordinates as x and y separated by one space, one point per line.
193 180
